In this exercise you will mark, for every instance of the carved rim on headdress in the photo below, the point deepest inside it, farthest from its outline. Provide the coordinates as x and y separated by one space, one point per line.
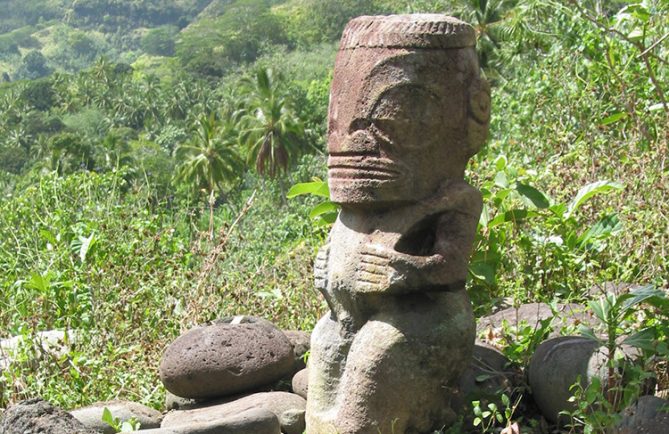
407 31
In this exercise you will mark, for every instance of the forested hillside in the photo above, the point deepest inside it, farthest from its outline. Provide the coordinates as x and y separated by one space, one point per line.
147 148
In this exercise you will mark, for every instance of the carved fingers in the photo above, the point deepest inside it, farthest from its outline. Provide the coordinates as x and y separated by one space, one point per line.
376 271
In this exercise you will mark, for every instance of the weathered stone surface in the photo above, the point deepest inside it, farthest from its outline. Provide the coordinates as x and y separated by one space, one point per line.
226 358
556 365
301 341
649 415
173 402
407 111
300 383
39 416
531 314
91 416
253 421
288 408
488 376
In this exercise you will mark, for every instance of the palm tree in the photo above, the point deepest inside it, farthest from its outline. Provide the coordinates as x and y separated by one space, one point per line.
273 134
209 161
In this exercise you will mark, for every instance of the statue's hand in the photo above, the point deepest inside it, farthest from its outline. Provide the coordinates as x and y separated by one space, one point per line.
321 267
383 269
375 271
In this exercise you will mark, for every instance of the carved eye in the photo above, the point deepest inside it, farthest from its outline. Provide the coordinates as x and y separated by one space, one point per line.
408 114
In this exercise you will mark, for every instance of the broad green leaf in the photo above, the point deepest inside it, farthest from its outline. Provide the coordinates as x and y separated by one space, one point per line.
500 180
108 418
41 283
483 271
500 162
606 226
590 190
328 218
483 218
599 309
537 198
514 215
615 117
643 339
650 295
323 208
318 188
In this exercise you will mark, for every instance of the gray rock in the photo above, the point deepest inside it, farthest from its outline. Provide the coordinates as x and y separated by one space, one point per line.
568 316
254 421
288 408
226 358
649 415
556 365
300 340
300 383
39 416
91 416
488 376
173 402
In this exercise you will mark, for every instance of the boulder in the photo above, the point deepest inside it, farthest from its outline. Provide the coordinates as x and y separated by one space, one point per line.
568 316
91 416
649 415
254 421
556 365
488 376
226 358
39 416
300 340
288 408
300 383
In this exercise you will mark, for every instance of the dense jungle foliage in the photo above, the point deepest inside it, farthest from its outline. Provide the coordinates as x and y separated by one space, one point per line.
147 147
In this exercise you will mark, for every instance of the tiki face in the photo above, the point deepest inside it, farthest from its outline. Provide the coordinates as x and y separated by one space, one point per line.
398 123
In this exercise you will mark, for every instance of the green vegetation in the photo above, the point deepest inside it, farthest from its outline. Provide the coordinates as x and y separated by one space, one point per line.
145 158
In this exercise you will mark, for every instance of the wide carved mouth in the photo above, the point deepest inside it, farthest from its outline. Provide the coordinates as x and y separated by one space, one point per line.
362 167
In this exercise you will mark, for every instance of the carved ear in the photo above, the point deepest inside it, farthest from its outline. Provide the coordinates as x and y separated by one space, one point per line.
479 115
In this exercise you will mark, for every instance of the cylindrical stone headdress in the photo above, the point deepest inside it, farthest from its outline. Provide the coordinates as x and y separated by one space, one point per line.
408 31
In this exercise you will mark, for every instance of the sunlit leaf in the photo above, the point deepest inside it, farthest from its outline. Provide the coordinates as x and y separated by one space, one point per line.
590 190
537 198
615 117
323 208
318 188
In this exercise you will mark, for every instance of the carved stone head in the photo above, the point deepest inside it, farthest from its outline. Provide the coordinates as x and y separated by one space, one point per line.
407 109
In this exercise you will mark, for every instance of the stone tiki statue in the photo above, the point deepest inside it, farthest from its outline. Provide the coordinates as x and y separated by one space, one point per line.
407 111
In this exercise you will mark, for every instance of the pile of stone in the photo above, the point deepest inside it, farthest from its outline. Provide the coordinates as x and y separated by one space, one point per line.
231 376
235 374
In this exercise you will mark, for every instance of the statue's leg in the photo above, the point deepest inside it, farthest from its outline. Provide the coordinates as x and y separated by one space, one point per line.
403 363
327 358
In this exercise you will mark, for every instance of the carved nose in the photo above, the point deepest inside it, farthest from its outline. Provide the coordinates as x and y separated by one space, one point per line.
360 142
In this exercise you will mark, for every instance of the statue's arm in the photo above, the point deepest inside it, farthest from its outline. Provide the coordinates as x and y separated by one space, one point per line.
384 269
